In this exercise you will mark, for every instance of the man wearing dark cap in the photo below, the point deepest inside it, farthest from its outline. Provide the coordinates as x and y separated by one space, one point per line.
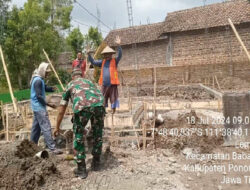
87 105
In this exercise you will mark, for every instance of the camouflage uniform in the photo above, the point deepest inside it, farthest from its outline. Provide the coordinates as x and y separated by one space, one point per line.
87 105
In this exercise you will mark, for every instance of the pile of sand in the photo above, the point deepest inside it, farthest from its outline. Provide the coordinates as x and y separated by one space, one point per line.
19 169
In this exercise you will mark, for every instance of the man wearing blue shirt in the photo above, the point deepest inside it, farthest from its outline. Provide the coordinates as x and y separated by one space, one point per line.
41 121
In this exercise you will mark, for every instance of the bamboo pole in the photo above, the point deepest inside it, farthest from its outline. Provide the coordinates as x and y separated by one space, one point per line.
8 80
46 55
7 124
239 39
217 82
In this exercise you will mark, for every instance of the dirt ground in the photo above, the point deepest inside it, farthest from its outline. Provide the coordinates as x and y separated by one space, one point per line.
19 169
233 84
125 167
190 93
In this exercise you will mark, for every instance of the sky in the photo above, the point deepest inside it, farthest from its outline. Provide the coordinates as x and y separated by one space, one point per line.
113 13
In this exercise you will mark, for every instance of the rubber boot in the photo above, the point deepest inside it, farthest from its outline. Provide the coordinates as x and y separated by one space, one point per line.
81 171
95 165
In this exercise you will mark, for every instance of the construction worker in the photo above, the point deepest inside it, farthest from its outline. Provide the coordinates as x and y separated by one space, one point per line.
38 104
109 80
80 63
87 105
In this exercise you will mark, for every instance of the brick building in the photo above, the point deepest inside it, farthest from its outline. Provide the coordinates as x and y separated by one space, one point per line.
200 35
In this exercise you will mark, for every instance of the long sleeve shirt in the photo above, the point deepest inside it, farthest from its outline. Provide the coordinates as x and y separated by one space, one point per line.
38 89
106 70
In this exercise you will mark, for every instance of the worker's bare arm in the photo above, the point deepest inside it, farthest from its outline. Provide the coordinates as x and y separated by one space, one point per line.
61 112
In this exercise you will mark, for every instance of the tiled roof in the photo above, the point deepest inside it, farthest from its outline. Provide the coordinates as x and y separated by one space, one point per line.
137 34
209 16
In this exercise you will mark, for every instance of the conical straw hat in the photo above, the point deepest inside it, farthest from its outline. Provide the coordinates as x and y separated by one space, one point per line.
108 50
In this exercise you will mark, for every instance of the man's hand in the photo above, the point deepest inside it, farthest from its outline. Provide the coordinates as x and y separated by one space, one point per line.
56 132
118 40
55 89
51 105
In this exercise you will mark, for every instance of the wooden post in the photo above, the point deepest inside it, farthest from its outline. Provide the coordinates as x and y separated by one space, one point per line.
145 110
154 106
8 80
213 81
217 82
46 55
112 130
122 95
239 39
7 124
144 137
3 120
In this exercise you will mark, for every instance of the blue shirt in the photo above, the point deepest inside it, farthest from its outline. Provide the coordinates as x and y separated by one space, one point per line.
106 71
37 94
36 105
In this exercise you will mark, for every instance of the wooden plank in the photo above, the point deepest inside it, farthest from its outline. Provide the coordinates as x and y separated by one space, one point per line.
20 132
211 91
129 130
128 138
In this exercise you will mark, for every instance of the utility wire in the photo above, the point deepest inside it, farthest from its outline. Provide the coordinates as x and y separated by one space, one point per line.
75 20
84 8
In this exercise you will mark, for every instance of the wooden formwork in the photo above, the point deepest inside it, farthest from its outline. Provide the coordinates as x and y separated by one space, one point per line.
125 121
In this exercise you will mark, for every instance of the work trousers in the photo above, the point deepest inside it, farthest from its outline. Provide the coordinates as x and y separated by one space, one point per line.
42 124
80 120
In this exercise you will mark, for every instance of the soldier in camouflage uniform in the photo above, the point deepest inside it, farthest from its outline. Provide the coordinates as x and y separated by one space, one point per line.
87 103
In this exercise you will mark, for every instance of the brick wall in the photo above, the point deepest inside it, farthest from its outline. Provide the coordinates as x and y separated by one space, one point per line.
147 53
218 45
215 45
187 74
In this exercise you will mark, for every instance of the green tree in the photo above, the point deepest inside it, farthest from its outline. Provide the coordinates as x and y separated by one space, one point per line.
30 30
94 38
75 40
4 5
59 12
14 46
